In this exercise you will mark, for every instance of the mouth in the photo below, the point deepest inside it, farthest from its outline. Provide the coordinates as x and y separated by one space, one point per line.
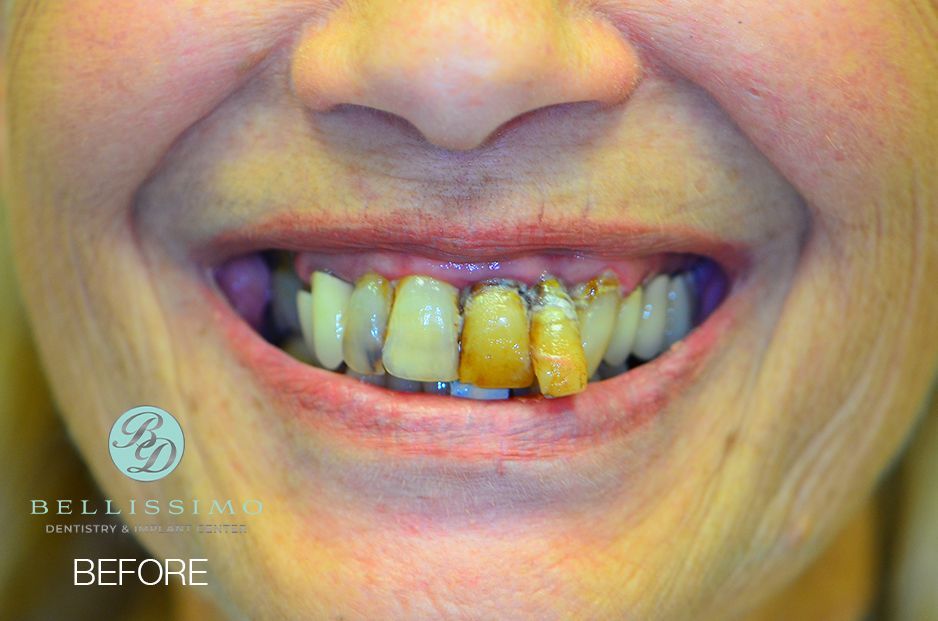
526 353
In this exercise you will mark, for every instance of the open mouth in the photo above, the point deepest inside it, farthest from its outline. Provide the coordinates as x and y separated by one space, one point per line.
544 326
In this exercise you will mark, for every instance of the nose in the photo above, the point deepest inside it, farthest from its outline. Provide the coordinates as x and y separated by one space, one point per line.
459 69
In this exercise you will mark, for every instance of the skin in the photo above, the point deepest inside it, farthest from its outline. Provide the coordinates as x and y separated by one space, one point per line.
804 132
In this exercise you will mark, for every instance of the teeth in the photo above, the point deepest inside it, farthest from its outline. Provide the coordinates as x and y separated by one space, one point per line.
507 340
468 391
680 310
365 325
403 385
495 351
623 336
377 380
423 331
436 388
285 285
556 349
304 310
649 339
296 347
330 299
597 303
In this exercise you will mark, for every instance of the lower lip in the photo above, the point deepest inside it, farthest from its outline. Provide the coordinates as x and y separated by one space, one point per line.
417 424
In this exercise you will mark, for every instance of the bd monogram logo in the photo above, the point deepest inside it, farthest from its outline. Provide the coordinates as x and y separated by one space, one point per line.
146 443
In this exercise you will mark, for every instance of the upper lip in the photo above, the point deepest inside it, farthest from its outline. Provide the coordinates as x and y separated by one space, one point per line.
465 243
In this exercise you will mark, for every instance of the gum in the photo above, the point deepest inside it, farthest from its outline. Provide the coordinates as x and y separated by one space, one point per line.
569 268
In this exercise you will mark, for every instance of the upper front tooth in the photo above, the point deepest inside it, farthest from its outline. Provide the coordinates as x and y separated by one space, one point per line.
596 302
495 342
330 299
649 339
365 325
623 336
556 348
679 310
304 310
422 342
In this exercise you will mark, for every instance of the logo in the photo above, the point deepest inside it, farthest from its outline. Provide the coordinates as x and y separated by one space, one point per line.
146 443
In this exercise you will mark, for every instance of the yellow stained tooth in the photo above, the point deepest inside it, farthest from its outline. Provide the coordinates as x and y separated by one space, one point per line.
623 337
597 303
422 342
495 339
556 348
366 323
330 299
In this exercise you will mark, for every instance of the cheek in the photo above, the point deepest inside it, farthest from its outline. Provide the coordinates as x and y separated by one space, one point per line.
98 92
825 92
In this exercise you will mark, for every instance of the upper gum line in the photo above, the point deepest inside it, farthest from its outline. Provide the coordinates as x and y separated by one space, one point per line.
571 270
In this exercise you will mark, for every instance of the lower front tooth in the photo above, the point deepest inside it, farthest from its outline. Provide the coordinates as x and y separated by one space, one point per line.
468 391
436 388
366 323
377 380
597 303
556 348
330 299
402 385
680 310
495 348
422 342
649 339
297 348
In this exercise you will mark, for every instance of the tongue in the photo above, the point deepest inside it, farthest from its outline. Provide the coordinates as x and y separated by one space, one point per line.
246 283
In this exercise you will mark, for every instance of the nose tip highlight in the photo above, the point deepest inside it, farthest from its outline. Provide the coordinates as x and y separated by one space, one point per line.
458 71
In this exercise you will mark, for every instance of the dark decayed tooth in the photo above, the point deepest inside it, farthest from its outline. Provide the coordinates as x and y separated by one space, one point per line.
711 286
285 285
366 324
245 281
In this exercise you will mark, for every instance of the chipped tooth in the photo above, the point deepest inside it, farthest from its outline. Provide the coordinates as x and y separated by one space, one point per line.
285 284
436 388
304 309
556 348
366 323
623 336
296 347
597 303
468 391
649 339
680 310
495 339
422 342
402 385
330 299
377 380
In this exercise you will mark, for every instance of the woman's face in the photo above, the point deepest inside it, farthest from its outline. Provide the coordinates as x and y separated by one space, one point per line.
791 143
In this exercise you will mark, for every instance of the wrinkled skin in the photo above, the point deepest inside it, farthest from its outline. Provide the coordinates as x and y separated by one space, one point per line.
805 132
